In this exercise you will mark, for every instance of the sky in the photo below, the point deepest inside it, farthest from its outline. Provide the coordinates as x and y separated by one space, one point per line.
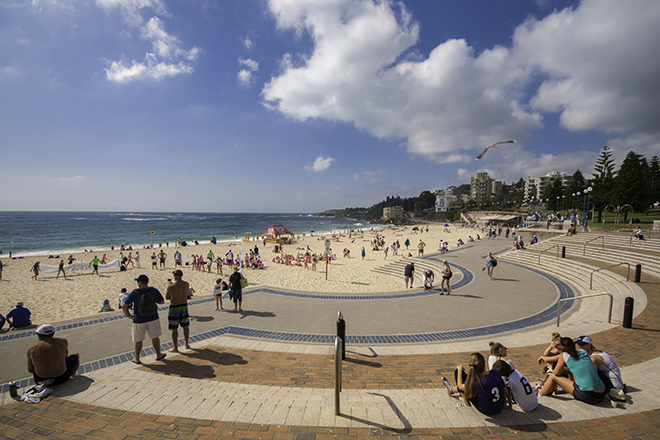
308 105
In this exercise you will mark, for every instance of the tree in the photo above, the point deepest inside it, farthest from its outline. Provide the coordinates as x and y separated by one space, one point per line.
554 190
631 185
577 184
654 174
603 181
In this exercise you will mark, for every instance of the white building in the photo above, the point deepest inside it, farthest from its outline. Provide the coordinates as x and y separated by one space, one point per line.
535 186
443 199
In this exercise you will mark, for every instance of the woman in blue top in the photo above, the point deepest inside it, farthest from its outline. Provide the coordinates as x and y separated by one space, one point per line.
587 386
481 388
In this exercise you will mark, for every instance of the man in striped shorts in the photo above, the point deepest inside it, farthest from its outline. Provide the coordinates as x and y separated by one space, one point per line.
177 294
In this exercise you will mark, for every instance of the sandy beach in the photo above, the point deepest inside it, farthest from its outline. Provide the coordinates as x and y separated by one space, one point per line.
77 296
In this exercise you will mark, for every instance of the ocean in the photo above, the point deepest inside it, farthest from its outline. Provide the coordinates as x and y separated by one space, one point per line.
44 233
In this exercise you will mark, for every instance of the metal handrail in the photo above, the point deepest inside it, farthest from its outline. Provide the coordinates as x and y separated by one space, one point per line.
338 344
551 247
591 278
609 318
584 248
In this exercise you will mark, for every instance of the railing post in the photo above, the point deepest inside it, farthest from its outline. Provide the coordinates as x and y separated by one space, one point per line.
341 333
338 349
638 273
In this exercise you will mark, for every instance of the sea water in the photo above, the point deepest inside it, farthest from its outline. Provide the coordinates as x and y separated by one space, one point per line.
43 233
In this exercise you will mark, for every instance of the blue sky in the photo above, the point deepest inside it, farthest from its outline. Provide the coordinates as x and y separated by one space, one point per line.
307 105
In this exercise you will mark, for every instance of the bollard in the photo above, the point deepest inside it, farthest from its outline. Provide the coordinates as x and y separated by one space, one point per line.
638 273
341 334
628 312
563 251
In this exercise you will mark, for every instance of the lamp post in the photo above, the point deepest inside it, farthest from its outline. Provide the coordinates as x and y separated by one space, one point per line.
586 218
584 204
573 203
557 205
562 202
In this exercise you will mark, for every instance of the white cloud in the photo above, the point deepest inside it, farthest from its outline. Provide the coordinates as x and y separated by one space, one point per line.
245 76
461 172
248 43
131 8
451 101
167 57
320 164
250 64
598 60
72 179
602 64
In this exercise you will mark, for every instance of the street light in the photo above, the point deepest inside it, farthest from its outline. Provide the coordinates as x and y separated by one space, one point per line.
557 205
562 202
573 203
586 218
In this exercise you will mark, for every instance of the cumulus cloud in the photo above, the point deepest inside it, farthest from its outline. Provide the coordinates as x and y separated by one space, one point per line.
167 57
596 62
451 101
601 62
320 164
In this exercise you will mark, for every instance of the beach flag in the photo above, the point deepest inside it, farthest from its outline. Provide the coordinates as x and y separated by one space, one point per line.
188 253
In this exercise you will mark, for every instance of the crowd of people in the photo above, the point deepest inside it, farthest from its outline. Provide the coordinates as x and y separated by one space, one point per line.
575 367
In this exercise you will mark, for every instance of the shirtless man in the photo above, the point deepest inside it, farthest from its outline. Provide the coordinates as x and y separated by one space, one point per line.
177 294
162 256
49 358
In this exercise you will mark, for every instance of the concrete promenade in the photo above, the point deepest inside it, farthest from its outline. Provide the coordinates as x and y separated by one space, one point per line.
268 372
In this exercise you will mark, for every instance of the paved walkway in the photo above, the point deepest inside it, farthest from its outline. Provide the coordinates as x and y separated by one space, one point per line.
256 387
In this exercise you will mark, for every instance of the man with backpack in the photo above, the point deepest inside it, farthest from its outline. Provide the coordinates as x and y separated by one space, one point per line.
145 302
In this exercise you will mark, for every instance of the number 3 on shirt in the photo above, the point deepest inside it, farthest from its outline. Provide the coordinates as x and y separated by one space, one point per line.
496 394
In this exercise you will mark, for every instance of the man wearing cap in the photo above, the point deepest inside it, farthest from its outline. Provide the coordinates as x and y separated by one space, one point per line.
177 294
144 322
49 359
19 316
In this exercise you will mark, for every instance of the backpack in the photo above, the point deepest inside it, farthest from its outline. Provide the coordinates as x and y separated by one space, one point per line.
494 261
147 304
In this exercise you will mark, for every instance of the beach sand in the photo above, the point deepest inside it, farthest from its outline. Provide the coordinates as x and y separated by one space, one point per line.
79 296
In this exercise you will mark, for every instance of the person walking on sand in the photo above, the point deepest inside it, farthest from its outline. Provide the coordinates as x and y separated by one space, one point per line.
177 293
409 274
489 265
385 249
60 269
95 264
363 253
35 270
145 302
154 261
